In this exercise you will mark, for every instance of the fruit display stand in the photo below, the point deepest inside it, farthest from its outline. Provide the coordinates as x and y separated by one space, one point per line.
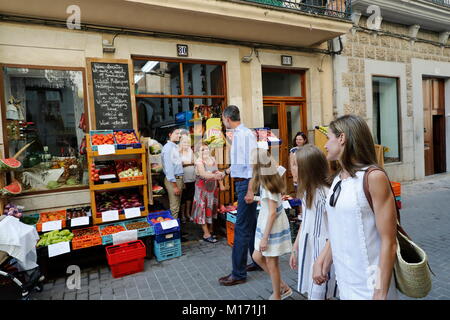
141 152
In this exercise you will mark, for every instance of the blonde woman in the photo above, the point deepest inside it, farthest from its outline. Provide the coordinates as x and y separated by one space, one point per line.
362 243
312 236
273 235
187 159
206 197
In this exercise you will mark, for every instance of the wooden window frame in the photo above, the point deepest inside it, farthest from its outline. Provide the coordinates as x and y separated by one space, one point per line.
3 104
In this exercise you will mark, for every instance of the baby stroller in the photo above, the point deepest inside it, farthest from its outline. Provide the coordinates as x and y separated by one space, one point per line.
15 284
19 273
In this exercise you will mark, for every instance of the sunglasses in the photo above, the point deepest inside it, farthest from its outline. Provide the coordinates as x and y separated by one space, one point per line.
336 192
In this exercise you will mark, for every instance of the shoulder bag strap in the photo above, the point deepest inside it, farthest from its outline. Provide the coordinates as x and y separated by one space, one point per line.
369 197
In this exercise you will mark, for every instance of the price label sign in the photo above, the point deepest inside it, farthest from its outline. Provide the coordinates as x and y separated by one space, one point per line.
124 236
263 145
169 224
105 149
81 221
58 248
111 215
281 170
132 212
51 225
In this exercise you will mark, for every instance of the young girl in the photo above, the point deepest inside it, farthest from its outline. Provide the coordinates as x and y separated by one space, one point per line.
312 236
206 201
362 243
273 235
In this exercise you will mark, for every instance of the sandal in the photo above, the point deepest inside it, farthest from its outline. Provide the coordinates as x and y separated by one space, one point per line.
210 239
284 294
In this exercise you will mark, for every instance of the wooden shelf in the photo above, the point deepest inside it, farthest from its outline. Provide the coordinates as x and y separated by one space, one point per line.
108 186
118 152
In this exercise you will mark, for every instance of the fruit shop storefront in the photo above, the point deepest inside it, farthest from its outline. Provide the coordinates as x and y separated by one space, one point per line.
86 113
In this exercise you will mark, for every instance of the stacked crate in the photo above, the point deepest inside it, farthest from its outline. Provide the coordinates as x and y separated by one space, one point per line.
167 244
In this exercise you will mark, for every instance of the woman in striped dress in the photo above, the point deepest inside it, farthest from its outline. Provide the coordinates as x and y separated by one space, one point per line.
311 238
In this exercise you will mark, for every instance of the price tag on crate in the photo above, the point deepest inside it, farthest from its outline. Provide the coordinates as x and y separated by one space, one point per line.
51 225
111 215
58 248
169 224
281 170
132 212
81 221
104 149
124 236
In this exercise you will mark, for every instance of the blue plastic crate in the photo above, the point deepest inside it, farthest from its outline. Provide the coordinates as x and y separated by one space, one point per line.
399 198
231 217
108 239
157 227
167 236
167 249
142 232
92 132
128 146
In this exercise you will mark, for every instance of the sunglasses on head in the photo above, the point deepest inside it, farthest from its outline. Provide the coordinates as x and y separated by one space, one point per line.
336 192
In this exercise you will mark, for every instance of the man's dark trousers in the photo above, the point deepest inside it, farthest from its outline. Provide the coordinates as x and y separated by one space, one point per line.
244 231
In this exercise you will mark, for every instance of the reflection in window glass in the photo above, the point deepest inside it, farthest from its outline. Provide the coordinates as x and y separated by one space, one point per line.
156 114
46 107
281 84
385 116
157 77
202 79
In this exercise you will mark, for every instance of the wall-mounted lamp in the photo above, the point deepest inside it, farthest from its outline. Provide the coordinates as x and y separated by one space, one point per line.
108 47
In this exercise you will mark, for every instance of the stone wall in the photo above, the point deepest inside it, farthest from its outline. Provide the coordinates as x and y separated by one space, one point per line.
363 45
352 85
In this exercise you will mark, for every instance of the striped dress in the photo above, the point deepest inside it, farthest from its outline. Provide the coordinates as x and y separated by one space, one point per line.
313 236
280 236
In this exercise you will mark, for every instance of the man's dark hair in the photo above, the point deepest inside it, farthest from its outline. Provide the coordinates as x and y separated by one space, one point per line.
232 112
172 129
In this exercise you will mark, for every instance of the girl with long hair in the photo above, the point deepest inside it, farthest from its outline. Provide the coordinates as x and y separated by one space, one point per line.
273 235
313 173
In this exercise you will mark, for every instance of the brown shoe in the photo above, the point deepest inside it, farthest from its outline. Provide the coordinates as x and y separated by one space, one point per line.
231 282
252 267
223 278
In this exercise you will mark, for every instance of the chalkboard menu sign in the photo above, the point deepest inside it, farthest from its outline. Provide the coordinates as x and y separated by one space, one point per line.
111 92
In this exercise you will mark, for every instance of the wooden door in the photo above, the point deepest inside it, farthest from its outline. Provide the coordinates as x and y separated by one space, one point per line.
434 126
428 127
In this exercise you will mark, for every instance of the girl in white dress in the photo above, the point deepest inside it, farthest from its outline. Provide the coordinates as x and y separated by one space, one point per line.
273 235
312 236
362 243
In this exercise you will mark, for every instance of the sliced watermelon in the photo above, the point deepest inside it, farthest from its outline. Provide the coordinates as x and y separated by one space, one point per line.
12 189
157 189
9 164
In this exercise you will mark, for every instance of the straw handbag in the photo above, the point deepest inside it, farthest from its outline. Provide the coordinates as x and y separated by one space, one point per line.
411 269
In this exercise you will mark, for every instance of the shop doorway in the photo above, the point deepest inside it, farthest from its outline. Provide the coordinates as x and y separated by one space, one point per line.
284 110
434 125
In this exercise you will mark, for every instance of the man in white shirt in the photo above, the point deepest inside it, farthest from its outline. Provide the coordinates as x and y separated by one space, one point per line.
244 142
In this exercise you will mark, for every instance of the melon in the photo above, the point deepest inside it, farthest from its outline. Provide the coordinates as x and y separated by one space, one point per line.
157 189
9 164
12 189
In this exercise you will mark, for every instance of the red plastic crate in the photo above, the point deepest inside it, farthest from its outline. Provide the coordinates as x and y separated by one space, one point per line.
126 258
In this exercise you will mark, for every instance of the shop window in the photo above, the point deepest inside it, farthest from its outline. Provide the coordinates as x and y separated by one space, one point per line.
386 120
281 84
167 87
46 107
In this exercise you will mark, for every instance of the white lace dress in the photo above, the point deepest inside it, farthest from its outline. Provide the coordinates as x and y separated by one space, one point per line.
355 241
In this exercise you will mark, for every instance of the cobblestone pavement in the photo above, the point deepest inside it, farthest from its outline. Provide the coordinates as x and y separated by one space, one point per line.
194 275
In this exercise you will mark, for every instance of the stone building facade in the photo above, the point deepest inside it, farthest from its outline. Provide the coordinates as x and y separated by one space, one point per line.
392 52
